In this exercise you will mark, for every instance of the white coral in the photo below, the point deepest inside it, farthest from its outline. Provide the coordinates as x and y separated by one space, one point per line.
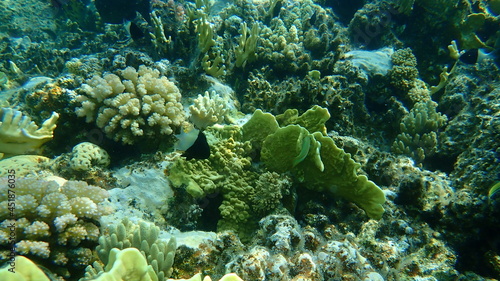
86 155
141 103
20 135
51 215
37 248
208 110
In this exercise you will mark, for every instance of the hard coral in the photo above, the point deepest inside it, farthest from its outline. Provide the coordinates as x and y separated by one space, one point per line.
138 103
208 110
158 254
86 155
20 135
55 222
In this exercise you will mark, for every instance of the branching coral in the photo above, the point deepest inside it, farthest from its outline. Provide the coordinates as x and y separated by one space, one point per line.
418 137
54 222
245 52
138 104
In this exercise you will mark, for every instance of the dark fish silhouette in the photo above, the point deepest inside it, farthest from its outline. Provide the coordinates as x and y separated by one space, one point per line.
115 11
135 32
194 144
474 56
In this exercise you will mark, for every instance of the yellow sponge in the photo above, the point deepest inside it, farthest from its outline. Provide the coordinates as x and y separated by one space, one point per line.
127 265
24 270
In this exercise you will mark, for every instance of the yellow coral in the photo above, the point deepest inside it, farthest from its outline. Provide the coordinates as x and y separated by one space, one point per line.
25 270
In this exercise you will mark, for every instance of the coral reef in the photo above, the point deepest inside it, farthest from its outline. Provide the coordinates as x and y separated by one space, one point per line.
55 222
347 84
140 103
313 160
157 255
284 250
208 110
86 155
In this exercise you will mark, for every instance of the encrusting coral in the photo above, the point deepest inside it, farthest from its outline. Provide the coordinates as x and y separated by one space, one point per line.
54 221
24 164
20 135
138 103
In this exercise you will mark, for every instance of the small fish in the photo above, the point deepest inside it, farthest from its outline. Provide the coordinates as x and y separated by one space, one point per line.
312 19
474 56
493 190
194 144
134 31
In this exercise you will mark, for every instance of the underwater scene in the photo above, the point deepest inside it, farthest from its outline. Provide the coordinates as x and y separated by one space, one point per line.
255 140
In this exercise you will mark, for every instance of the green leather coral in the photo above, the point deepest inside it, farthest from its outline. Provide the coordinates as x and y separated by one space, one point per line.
340 178
315 160
259 127
312 120
287 147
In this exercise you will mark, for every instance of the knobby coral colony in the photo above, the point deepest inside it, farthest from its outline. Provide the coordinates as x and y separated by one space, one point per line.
300 136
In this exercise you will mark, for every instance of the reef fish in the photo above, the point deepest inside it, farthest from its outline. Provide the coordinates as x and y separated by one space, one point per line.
194 144
474 56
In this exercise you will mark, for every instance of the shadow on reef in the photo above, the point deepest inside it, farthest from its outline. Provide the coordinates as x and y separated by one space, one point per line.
440 162
480 254
344 9
469 225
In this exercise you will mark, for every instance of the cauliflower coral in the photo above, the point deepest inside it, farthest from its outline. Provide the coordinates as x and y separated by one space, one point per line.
134 104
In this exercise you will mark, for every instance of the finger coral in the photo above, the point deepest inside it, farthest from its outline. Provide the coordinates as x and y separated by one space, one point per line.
419 131
158 255
208 110
136 103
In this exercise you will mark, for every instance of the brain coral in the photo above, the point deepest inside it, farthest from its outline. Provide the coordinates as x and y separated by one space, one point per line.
134 104
85 155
